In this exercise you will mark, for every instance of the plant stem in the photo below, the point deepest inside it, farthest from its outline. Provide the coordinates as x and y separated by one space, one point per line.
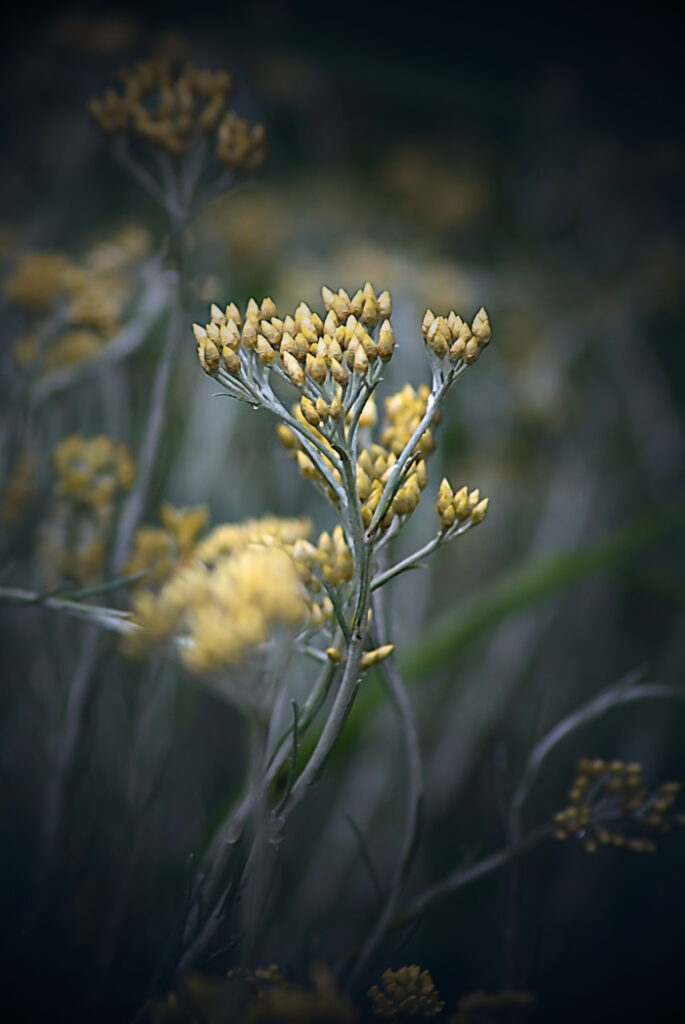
152 436
414 793
464 876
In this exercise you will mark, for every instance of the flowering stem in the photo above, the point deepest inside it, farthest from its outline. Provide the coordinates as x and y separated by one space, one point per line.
410 562
414 793
334 725
232 828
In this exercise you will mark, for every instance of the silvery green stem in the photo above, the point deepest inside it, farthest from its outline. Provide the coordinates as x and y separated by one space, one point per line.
334 726
414 793
464 876
441 385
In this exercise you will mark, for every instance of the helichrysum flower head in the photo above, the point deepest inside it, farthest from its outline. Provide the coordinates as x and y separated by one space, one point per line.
460 510
171 111
608 797
406 995
157 550
79 305
220 613
335 360
92 476
450 338
91 472
36 280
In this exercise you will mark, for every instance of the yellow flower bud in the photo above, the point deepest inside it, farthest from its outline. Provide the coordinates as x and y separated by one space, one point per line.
336 409
357 302
360 363
265 351
457 350
472 351
231 360
386 341
461 503
334 655
209 356
330 324
375 657
481 328
363 484
250 332
309 411
448 517
230 335
338 372
445 496
428 319
385 304
292 368
316 368
233 314
286 437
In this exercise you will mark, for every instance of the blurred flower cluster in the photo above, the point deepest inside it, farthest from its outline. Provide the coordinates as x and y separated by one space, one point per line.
171 111
74 308
608 795
91 477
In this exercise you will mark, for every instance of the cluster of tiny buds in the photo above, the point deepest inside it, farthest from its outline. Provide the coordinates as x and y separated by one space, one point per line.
306 345
168 110
461 507
452 337
604 793
406 994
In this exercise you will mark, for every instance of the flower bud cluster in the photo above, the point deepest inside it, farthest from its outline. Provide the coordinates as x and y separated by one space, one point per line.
35 281
92 476
451 337
330 560
220 613
460 508
325 357
240 146
90 472
170 111
335 360
605 794
80 304
174 553
406 994
158 550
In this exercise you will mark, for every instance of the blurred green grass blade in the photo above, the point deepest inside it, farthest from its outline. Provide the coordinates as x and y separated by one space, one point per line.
527 584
